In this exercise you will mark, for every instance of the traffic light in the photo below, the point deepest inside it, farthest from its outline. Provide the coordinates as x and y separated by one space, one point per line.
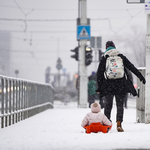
59 64
76 55
47 75
100 55
88 55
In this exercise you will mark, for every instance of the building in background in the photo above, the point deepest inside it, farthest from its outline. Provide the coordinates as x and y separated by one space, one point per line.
5 53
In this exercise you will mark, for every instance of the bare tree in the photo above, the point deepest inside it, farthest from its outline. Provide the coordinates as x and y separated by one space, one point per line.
134 42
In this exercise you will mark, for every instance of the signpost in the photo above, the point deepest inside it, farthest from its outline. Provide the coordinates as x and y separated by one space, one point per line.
147 85
135 1
147 8
83 34
59 66
96 43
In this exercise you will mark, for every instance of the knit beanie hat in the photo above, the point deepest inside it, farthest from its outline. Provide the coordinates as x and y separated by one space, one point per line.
95 107
110 44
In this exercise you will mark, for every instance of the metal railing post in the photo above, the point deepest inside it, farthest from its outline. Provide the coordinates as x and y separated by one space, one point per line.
6 106
19 100
2 105
10 104
13 105
16 101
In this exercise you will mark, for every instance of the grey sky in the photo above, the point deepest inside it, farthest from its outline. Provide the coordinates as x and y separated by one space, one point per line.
51 31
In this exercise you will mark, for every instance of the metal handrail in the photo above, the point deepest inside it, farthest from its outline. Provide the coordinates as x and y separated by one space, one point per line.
21 99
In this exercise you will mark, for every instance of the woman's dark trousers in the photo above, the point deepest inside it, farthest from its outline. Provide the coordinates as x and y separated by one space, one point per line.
119 104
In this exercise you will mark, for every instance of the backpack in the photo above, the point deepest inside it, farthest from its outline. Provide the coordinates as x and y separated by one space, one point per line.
114 67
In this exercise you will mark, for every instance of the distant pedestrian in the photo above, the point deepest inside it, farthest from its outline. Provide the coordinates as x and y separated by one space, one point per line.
92 94
93 76
78 83
95 116
117 85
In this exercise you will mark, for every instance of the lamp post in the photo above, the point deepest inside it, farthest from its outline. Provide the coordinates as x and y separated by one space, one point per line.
16 72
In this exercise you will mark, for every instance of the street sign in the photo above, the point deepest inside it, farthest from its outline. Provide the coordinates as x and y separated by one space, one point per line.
135 1
64 70
92 42
147 8
83 32
99 42
59 66
96 42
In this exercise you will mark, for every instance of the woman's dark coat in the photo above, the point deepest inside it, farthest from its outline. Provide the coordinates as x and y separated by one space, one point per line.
116 86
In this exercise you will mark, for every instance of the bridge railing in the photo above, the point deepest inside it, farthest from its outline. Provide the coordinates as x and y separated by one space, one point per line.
21 99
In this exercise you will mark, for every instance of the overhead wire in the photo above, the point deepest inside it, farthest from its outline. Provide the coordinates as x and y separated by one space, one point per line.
71 9
25 14
60 20
36 20
29 51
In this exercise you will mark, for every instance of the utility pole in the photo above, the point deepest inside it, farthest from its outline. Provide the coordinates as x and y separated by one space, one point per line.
82 67
147 85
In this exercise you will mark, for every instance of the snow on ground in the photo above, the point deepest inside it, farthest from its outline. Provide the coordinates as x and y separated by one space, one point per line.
60 129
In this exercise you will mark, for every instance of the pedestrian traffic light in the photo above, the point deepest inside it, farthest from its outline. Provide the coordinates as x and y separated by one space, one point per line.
76 55
100 55
88 55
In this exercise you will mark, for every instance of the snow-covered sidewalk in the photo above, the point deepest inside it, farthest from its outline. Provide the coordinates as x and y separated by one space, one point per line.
60 129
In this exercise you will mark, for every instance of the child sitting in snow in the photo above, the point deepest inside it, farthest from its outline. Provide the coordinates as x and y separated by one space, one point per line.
95 116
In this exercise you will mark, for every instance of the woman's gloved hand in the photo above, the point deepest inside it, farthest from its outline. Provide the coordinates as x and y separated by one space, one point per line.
142 79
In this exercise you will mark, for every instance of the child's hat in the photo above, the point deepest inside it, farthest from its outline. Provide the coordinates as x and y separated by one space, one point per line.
95 107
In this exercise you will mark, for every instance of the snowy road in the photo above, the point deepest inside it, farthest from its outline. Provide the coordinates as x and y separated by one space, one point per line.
60 129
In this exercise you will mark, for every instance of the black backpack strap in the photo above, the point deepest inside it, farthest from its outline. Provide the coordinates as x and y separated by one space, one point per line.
126 73
105 67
